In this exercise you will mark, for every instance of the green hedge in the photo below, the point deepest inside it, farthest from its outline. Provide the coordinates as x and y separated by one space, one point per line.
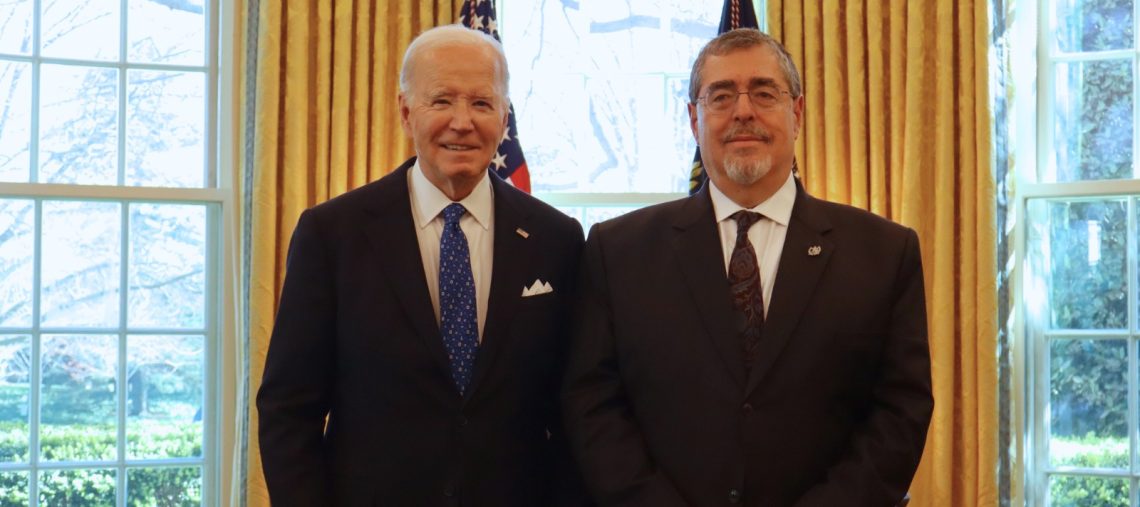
1078 491
1072 491
146 487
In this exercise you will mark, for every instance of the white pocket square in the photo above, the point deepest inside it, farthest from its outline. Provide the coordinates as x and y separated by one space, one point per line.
538 287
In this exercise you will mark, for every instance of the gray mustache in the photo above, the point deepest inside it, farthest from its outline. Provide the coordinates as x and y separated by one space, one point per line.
751 131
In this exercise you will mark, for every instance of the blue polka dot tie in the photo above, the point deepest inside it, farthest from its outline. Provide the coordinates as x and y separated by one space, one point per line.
457 317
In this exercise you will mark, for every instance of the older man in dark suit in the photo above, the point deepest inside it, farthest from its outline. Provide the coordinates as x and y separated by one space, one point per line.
750 344
425 316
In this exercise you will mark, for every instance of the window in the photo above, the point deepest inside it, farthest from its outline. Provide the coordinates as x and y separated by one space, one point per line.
600 92
110 252
1077 297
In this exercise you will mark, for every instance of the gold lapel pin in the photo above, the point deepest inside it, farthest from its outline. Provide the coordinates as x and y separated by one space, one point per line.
814 250
522 233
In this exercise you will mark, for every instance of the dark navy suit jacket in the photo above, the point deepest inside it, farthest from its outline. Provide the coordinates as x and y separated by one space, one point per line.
356 340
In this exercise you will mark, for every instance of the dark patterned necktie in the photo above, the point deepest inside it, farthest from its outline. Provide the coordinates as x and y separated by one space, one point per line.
744 280
457 318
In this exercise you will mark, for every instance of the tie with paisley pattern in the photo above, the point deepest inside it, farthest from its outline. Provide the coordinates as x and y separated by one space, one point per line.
744 281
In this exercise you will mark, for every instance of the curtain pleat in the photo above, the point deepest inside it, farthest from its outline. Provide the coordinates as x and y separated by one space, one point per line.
898 123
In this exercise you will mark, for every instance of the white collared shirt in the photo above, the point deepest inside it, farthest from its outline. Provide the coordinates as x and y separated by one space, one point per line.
767 235
477 224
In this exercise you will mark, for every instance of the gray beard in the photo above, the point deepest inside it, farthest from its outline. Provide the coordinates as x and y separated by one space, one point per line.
747 171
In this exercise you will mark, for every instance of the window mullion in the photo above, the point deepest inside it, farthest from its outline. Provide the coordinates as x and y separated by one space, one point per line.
34 377
211 393
1040 354
121 370
34 142
1046 73
1131 271
213 29
122 120
1133 367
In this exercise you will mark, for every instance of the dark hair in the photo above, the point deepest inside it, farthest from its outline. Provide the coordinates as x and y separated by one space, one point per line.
744 38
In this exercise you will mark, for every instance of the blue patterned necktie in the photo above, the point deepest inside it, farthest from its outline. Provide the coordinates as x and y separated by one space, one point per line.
744 280
457 317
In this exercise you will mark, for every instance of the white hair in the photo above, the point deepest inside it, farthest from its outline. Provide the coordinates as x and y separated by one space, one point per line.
452 35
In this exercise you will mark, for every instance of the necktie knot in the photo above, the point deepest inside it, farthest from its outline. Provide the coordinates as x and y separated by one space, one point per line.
452 213
744 221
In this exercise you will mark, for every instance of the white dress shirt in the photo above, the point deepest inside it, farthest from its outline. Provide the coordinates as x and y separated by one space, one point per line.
766 235
477 225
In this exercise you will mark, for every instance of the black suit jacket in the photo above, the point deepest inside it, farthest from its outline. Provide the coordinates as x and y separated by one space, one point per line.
660 408
356 340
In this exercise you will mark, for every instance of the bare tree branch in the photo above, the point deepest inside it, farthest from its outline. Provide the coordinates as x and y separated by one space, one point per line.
167 281
180 5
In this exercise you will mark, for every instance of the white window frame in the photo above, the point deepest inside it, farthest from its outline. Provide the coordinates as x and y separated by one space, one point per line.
221 381
1031 142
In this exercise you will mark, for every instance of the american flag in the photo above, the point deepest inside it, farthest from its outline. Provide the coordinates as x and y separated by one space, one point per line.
508 163
736 14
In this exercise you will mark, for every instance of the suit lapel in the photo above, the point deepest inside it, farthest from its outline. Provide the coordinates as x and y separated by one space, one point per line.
697 245
796 278
512 264
391 229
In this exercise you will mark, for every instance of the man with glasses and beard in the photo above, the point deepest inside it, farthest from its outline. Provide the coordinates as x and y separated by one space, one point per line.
750 344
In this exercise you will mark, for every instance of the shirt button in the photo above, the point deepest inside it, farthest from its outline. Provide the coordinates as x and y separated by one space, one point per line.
462 421
734 496
746 408
449 490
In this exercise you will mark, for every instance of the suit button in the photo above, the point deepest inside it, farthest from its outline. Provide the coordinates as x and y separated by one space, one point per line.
462 421
734 496
449 490
746 408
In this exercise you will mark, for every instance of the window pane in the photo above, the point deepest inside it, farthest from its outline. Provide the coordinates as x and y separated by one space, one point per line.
17 220
16 30
15 120
1093 25
1082 260
166 32
599 89
166 487
1093 122
81 29
1088 403
167 266
14 488
81 246
1076 491
77 394
79 127
165 380
75 488
15 386
166 114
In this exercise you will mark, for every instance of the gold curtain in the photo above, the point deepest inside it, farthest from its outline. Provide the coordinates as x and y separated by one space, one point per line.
325 121
898 123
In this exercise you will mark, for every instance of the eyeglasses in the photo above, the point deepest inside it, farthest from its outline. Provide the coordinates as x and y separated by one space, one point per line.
762 97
